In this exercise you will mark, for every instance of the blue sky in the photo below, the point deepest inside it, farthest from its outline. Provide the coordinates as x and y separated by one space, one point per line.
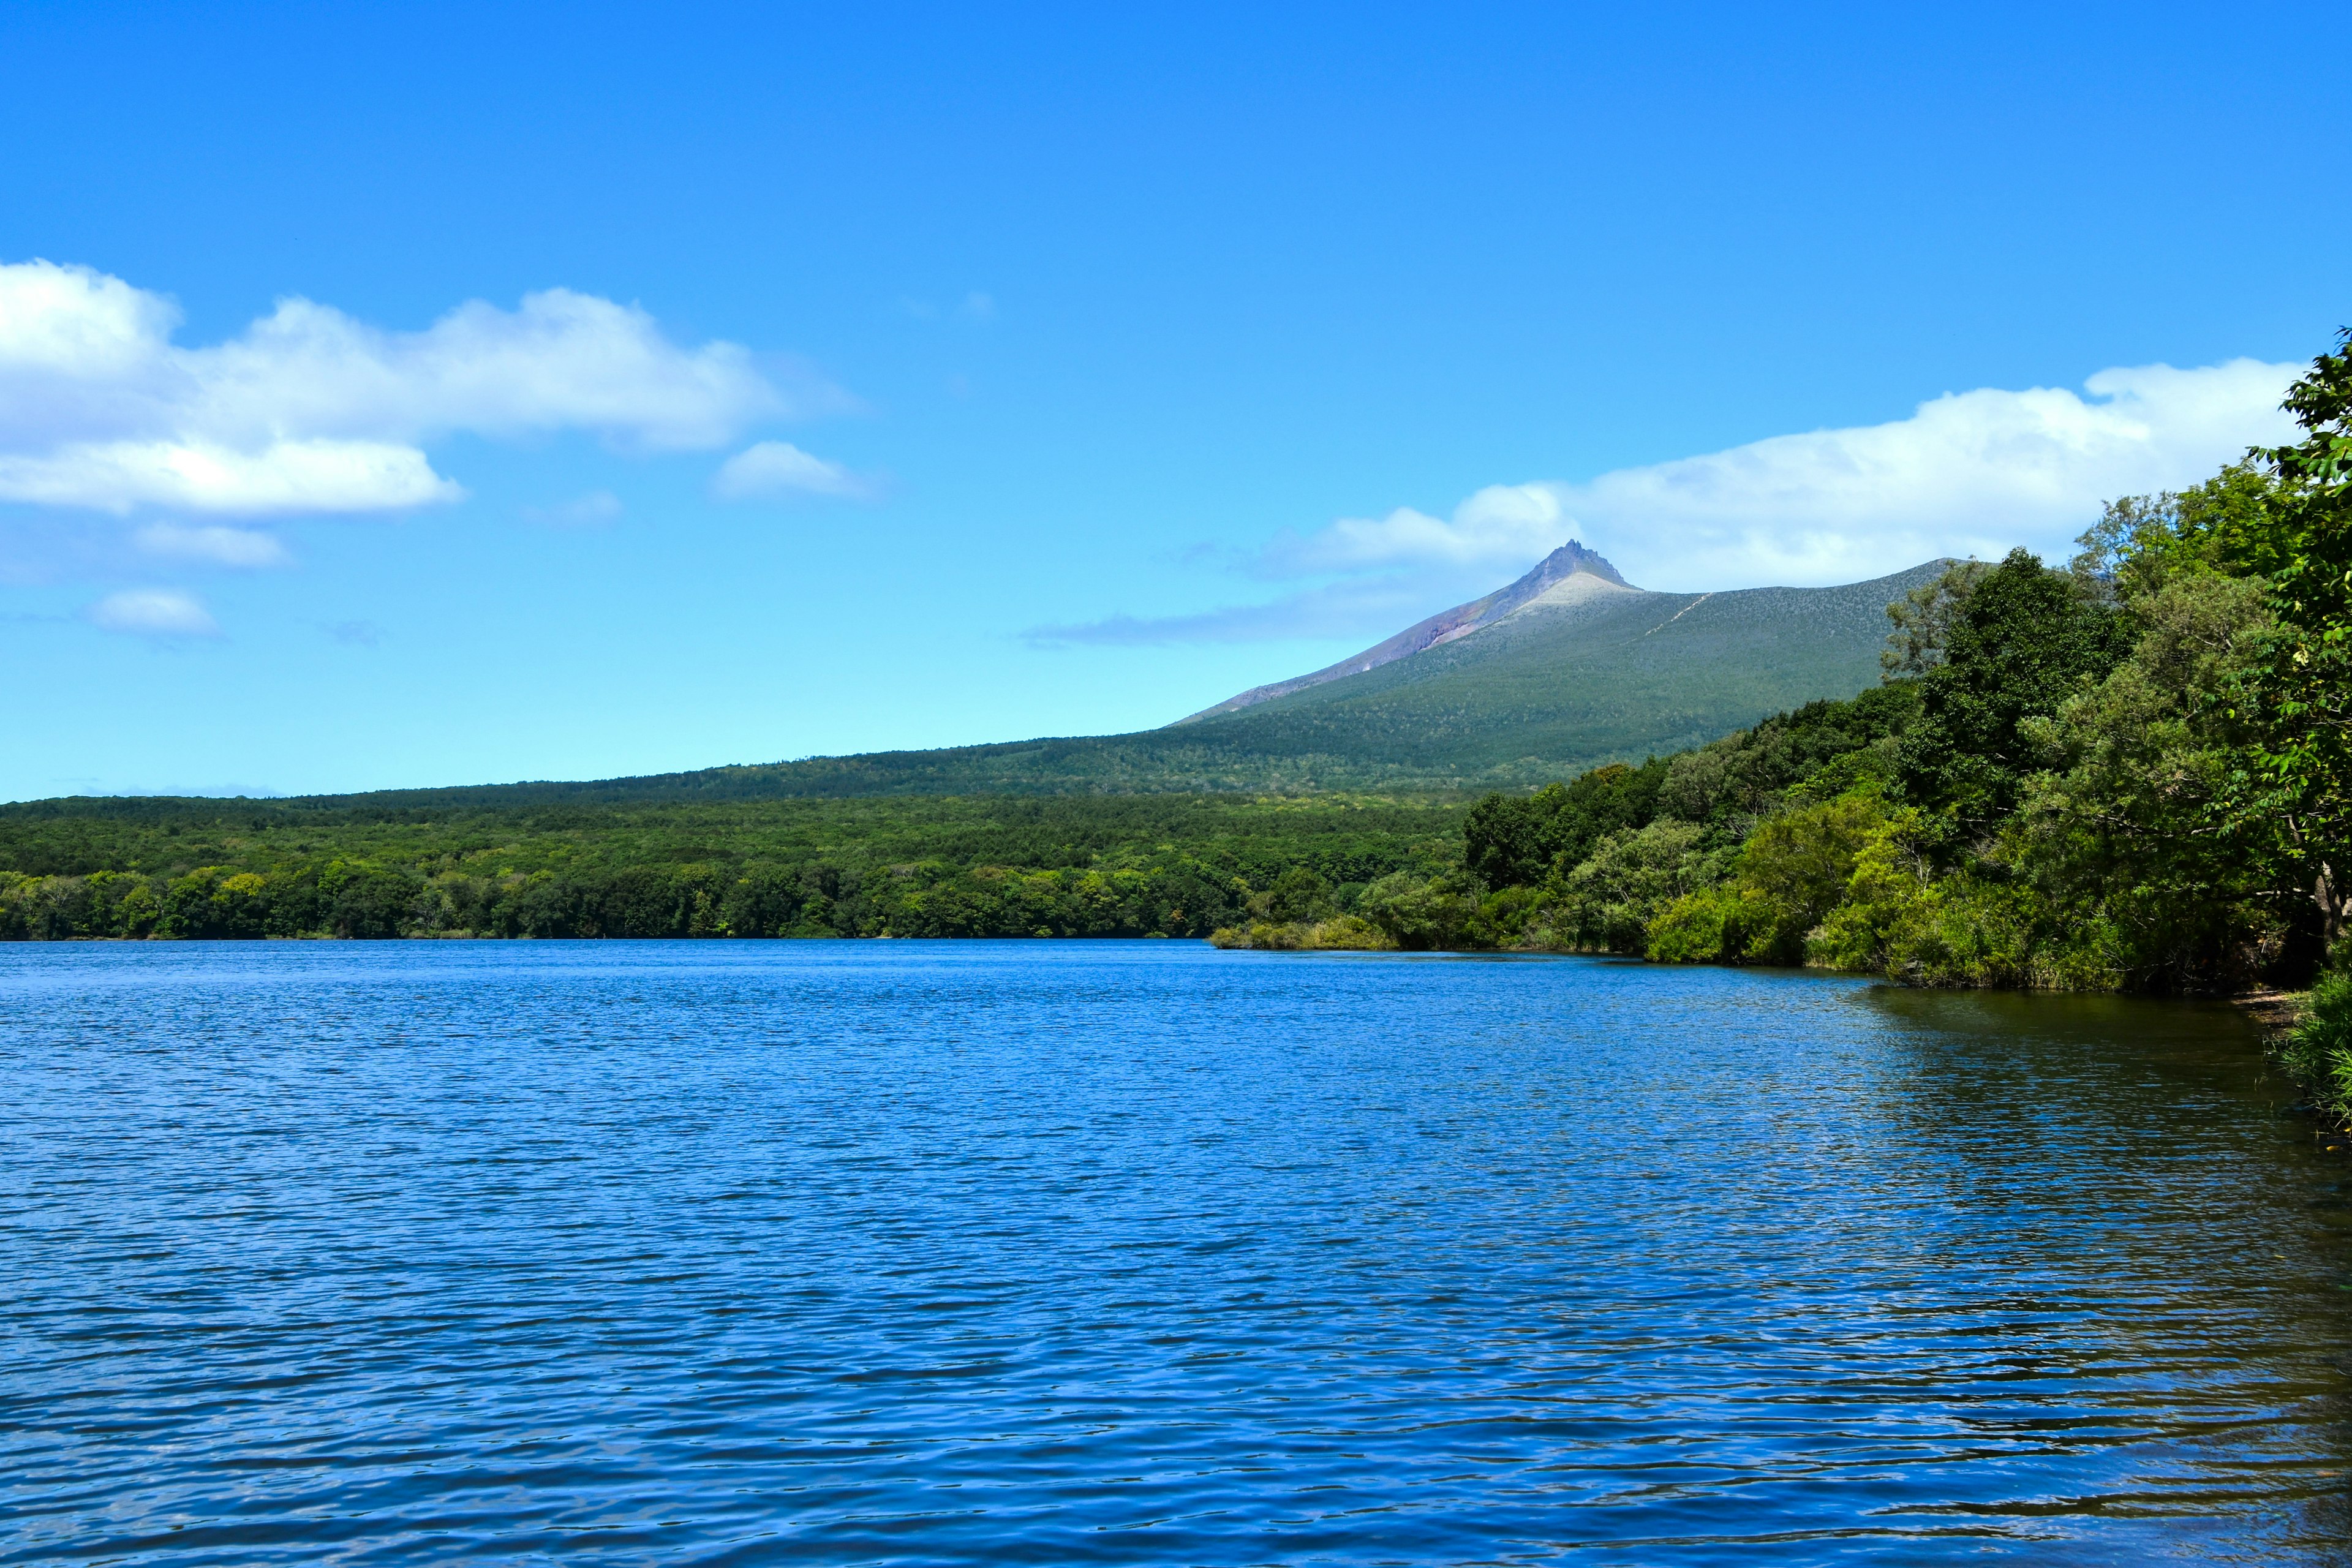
692 385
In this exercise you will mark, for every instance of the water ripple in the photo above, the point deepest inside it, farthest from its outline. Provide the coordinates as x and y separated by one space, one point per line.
1140 1253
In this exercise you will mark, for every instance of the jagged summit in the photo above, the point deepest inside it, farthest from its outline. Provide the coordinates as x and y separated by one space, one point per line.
1569 576
1568 560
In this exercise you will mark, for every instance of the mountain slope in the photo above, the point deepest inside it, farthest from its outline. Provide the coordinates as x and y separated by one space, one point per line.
1568 574
1580 671
1564 683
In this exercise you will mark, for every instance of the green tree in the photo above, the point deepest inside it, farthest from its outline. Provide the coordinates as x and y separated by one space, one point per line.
1608 901
2302 688
1421 916
2130 822
1924 619
1787 877
2025 640
1298 894
1517 843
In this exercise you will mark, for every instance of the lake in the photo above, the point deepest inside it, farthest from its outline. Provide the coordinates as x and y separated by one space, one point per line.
1142 1253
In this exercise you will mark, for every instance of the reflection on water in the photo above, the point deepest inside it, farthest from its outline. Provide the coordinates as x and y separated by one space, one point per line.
1143 1252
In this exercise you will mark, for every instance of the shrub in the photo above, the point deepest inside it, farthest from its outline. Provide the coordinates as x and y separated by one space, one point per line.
2319 1051
1714 925
1796 870
1423 916
1609 901
1341 933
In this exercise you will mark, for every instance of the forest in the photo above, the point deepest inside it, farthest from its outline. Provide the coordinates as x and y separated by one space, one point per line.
913 866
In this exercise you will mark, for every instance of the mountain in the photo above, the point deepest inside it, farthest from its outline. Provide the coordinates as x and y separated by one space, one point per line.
1560 672
1568 668
1569 575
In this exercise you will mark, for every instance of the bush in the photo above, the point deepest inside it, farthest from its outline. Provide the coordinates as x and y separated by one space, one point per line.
1715 925
2319 1051
1513 917
1341 933
1797 868
1801 863
1435 915
1607 903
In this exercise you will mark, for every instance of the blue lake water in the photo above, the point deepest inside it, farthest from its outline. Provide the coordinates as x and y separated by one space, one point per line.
1142 1253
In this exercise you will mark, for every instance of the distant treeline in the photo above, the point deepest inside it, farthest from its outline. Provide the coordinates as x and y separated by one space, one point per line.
1166 866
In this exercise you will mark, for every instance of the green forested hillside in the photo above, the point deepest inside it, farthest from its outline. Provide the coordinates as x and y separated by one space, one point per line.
1545 694
1539 696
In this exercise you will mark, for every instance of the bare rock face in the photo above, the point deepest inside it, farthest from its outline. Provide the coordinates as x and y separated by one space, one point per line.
1568 578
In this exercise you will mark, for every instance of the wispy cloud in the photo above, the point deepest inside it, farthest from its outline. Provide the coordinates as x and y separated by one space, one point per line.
770 470
166 613
356 634
212 542
594 509
312 411
1344 609
976 306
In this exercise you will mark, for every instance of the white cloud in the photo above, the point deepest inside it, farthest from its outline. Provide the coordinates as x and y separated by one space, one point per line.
1494 527
224 546
312 411
770 469
1975 472
281 476
153 613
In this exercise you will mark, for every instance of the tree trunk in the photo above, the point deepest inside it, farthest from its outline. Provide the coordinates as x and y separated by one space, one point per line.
2330 899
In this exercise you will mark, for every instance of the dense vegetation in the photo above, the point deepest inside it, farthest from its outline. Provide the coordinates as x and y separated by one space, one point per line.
2133 773
1591 866
1160 864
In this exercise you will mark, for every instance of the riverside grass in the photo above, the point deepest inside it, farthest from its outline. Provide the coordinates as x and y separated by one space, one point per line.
2317 1050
